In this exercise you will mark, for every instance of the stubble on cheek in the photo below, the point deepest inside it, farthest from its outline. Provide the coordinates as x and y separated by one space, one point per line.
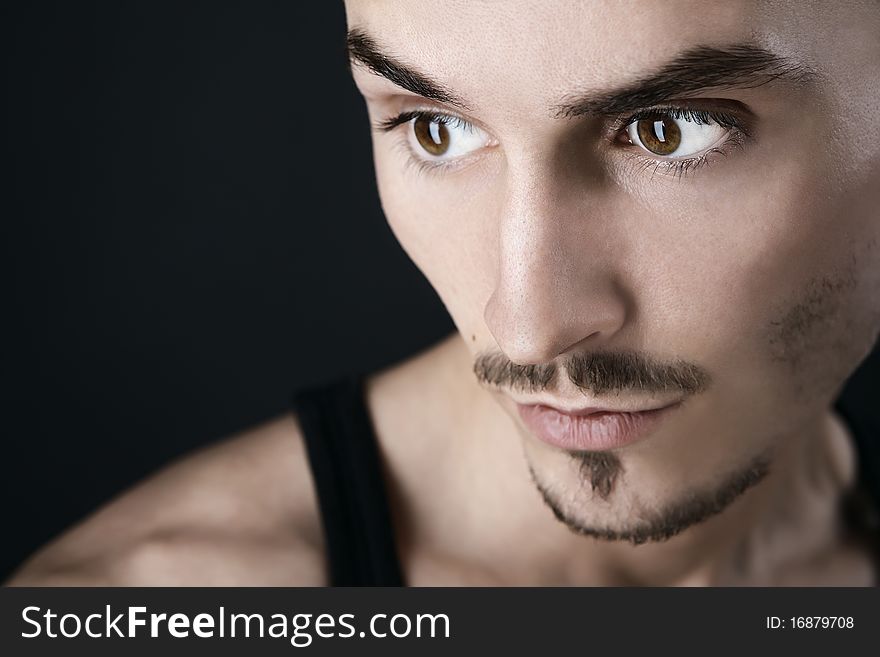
812 316
825 332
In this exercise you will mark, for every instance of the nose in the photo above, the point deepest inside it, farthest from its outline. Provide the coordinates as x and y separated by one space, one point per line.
555 287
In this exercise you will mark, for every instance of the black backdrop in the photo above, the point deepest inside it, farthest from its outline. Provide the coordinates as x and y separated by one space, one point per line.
191 230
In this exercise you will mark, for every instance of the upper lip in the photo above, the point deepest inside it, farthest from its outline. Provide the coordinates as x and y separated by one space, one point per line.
589 410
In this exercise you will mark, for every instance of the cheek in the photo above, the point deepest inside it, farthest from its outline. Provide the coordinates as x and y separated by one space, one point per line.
445 227
783 285
809 265
812 272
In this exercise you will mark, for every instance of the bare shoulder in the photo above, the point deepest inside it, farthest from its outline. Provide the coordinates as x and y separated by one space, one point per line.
240 512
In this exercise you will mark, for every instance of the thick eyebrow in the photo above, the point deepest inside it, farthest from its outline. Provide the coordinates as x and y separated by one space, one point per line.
362 49
697 69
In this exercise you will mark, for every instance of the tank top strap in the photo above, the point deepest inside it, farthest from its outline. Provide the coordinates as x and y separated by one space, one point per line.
347 470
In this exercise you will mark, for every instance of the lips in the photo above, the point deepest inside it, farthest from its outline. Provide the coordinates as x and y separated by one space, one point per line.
590 429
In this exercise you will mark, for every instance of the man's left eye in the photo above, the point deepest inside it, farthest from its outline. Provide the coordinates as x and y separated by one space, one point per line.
675 137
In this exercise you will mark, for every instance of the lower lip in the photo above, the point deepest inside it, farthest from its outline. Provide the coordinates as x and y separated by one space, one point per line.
594 432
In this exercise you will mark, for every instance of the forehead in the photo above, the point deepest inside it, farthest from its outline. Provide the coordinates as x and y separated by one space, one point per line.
489 50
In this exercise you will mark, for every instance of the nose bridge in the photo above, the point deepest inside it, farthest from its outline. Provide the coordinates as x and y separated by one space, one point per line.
531 251
554 287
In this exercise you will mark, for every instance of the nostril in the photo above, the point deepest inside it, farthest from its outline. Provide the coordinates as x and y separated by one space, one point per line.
536 333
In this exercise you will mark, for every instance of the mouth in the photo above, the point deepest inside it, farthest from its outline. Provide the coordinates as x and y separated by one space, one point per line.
591 429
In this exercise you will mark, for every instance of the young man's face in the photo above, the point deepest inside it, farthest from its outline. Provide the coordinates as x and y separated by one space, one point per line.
691 186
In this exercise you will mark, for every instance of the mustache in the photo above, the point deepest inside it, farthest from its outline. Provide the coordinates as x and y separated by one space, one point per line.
599 372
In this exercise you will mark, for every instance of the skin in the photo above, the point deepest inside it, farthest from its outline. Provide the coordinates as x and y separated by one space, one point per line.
553 242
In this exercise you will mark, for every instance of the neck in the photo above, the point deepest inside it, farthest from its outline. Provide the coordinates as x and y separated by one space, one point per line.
786 519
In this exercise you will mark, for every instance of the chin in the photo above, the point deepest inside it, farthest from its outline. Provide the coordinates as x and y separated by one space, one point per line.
594 494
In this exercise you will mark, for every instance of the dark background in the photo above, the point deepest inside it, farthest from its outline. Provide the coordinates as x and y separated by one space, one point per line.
192 231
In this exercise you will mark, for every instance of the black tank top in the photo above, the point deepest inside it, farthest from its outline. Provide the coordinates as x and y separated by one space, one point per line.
350 484
349 478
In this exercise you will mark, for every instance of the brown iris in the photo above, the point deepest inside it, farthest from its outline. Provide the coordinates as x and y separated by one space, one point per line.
660 135
432 135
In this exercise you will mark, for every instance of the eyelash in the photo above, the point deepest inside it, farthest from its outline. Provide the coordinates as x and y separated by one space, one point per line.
423 165
677 168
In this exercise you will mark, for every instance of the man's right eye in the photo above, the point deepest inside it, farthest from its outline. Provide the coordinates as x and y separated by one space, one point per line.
445 137
434 138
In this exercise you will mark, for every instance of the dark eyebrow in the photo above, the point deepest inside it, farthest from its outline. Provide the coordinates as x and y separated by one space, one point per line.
362 49
697 69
